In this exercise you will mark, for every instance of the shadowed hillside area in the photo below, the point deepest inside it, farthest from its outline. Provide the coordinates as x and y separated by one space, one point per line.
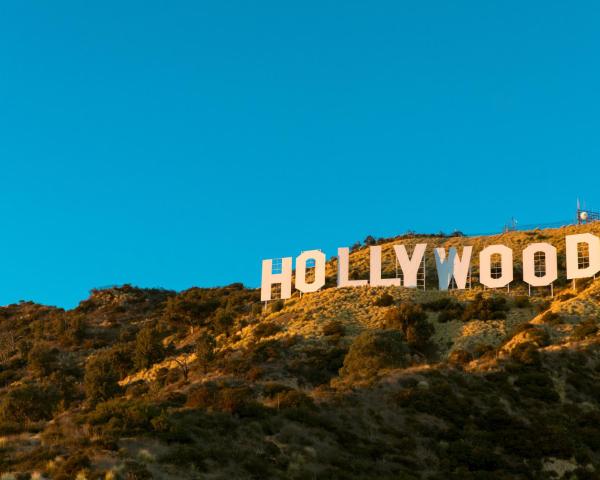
350 383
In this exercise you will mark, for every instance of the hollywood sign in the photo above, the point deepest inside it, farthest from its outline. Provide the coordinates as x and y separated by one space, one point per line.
449 265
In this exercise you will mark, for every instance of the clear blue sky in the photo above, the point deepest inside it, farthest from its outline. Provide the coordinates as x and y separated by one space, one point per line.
177 144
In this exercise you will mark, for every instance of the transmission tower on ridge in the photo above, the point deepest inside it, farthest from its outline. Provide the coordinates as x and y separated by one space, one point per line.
585 215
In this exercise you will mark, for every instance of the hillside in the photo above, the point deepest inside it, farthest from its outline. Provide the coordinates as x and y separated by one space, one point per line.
352 383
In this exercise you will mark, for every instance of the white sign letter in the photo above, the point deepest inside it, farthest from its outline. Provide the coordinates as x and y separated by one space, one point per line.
319 281
269 278
550 264
343 267
453 266
375 270
410 266
485 266
574 269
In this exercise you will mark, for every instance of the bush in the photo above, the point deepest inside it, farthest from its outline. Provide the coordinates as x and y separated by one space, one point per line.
227 399
412 321
459 357
267 329
28 402
374 350
491 308
565 296
136 471
222 321
193 307
148 348
277 305
316 365
202 396
384 300
526 353
585 329
123 417
69 468
522 301
294 399
211 308
449 309
537 385
551 318
42 360
121 355
101 380
205 350
334 328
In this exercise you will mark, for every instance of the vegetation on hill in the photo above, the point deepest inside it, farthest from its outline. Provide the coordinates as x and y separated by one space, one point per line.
354 383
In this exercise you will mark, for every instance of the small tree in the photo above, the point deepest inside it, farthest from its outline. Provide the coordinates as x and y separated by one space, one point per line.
370 240
384 301
148 348
184 367
74 331
101 380
193 308
411 320
27 402
223 320
205 350
373 350
42 360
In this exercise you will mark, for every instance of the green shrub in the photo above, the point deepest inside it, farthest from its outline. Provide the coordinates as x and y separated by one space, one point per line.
543 306
585 329
491 308
294 399
75 330
271 389
202 396
277 305
267 329
205 350
374 350
211 308
334 328
123 417
101 380
28 402
385 300
537 385
136 471
42 360
526 353
440 304
565 296
522 301
266 350
121 356
551 318
6 377
185 455
460 357
316 365
71 466
411 320
448 309
148 348
222 321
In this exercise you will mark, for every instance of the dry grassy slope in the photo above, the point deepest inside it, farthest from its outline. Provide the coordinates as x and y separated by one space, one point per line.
307 314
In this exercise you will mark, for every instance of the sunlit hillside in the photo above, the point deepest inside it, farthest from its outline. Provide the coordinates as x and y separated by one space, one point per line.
350 383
